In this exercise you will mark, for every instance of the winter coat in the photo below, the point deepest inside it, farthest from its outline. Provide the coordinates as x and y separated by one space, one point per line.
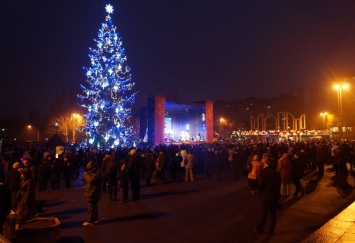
284 167
161 161
42 172
298 168
190 161
269 184
56 170
104 166
134 166
123 177
13 180
93 185
5 203
112 170
26 208
255 170
68 169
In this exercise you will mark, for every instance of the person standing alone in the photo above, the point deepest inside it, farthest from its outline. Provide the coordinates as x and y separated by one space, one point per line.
93 189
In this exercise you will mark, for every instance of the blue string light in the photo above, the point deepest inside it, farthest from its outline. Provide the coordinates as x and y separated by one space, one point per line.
107 96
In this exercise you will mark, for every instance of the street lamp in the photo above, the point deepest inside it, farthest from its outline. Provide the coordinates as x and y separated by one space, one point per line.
30 127
75 122
56 127
324 115
339 88
221 123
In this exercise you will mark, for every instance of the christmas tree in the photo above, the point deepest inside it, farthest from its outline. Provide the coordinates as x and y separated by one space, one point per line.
108 96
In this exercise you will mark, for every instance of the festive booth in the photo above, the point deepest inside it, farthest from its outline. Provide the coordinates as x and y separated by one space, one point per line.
56 144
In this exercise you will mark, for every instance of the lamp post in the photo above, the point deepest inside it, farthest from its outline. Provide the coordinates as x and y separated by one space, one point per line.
56 127
30 127
75 122
339 88
221 120
324 115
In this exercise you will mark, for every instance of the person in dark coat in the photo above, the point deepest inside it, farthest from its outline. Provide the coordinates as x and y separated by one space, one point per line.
76 160
134 172
32 171
217 164
112 171
297 172
177 167
67 171
104 170
26 208
148 167
28 165
123 177
42 175
93 187
56 171
345 155
322 156
269 184
48 161
5 204
238 163
161 164
13 181
209 160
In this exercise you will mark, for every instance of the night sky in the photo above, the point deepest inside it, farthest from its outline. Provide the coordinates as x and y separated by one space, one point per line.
196 49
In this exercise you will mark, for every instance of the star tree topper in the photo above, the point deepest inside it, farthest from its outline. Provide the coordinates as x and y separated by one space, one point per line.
109 9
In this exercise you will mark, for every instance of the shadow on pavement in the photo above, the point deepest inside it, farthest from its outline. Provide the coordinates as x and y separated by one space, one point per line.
151 215
51 203
166 193
71 239
144 216
71 224
311 182
342 185
61 214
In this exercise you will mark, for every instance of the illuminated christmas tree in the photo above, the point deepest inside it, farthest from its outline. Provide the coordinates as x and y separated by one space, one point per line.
107 96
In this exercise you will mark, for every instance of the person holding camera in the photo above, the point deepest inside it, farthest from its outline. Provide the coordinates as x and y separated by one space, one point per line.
93 187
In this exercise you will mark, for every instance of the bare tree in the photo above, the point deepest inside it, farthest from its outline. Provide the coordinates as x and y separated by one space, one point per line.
77 122
66 124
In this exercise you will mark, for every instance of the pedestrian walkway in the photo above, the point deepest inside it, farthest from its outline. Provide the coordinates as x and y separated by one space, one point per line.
323 214
207 211
339 229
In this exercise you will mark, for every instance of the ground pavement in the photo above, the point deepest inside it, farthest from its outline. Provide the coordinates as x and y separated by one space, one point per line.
200 211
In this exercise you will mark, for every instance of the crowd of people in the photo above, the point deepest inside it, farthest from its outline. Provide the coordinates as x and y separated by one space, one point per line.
25 170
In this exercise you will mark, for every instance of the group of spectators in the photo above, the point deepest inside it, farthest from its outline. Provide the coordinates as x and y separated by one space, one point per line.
175 162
